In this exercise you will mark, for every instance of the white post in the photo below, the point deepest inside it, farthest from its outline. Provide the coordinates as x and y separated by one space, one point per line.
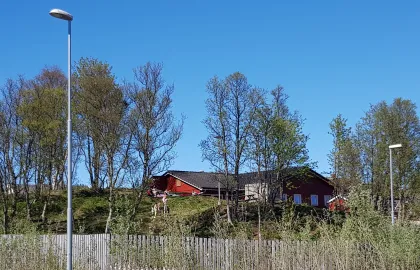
69 159
392 189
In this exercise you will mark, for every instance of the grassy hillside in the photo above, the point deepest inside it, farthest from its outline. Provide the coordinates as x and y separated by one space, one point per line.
90 211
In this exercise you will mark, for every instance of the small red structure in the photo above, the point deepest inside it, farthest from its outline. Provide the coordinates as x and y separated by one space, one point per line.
338 203
171 183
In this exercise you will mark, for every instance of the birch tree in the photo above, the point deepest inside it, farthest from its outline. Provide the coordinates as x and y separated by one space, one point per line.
385 124
231 109
344 158
14 152
154 128
279 143
44 122
102 127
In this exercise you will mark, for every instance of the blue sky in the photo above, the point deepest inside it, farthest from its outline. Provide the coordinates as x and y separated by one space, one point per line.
331 56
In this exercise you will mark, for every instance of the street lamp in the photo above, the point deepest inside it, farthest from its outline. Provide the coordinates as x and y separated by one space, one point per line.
390 172
63 15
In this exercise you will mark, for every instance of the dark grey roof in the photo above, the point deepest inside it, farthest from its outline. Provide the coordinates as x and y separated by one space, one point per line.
206 180
292 172
200 180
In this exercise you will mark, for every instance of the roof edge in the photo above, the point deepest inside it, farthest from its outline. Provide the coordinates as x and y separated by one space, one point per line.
167 173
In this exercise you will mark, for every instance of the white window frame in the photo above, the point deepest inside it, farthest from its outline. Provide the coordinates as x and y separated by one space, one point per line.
314 197
326 199
284 197
296 200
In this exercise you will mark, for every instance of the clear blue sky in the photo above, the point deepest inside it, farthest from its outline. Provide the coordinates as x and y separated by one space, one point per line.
331 56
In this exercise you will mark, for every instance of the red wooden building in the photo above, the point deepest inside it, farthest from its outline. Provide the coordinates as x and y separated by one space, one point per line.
338 203
301 185
177 182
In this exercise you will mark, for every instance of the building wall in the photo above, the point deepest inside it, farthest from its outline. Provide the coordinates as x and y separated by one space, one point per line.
256 191
160 183
173 184
338 205
308 187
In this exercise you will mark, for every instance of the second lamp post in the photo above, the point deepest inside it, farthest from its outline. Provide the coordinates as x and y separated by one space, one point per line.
392 184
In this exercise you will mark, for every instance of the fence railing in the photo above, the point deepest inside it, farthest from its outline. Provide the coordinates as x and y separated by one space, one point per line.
101 251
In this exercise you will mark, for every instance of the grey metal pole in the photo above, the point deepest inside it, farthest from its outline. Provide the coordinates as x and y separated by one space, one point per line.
69 158
392 189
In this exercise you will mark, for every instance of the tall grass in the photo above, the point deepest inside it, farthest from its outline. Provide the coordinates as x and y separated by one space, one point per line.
364 239
27 249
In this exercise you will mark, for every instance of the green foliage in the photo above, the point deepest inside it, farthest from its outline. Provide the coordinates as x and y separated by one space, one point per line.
344 158
220 226
363 222
385 124
100 109
288 142
89 207
363 155
277 143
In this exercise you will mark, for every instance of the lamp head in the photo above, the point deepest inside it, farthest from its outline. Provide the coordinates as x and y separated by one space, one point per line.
395 146
61 14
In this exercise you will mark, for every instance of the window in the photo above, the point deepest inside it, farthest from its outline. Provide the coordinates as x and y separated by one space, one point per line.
178 182
314 200
297 198
326 199
284 197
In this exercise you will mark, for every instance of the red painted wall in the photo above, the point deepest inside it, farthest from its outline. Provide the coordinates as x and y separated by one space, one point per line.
338 205
170 183
308 187
160 183
311 185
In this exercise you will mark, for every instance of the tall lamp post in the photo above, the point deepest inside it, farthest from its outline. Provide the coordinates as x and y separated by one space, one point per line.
390 173
63 15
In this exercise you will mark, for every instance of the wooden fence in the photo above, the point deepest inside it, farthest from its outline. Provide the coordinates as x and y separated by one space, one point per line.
102 251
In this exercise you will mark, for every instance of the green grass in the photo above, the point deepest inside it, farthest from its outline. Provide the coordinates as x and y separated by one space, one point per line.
90 210
185 207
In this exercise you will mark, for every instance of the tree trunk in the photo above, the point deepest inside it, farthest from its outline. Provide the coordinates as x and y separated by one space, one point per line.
46 200
5 219
28 201
259 221
108 220
139 194
229 219
44 210
110 207
111 197
5 208
279 180
137 202
236 196
96 164
14 201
